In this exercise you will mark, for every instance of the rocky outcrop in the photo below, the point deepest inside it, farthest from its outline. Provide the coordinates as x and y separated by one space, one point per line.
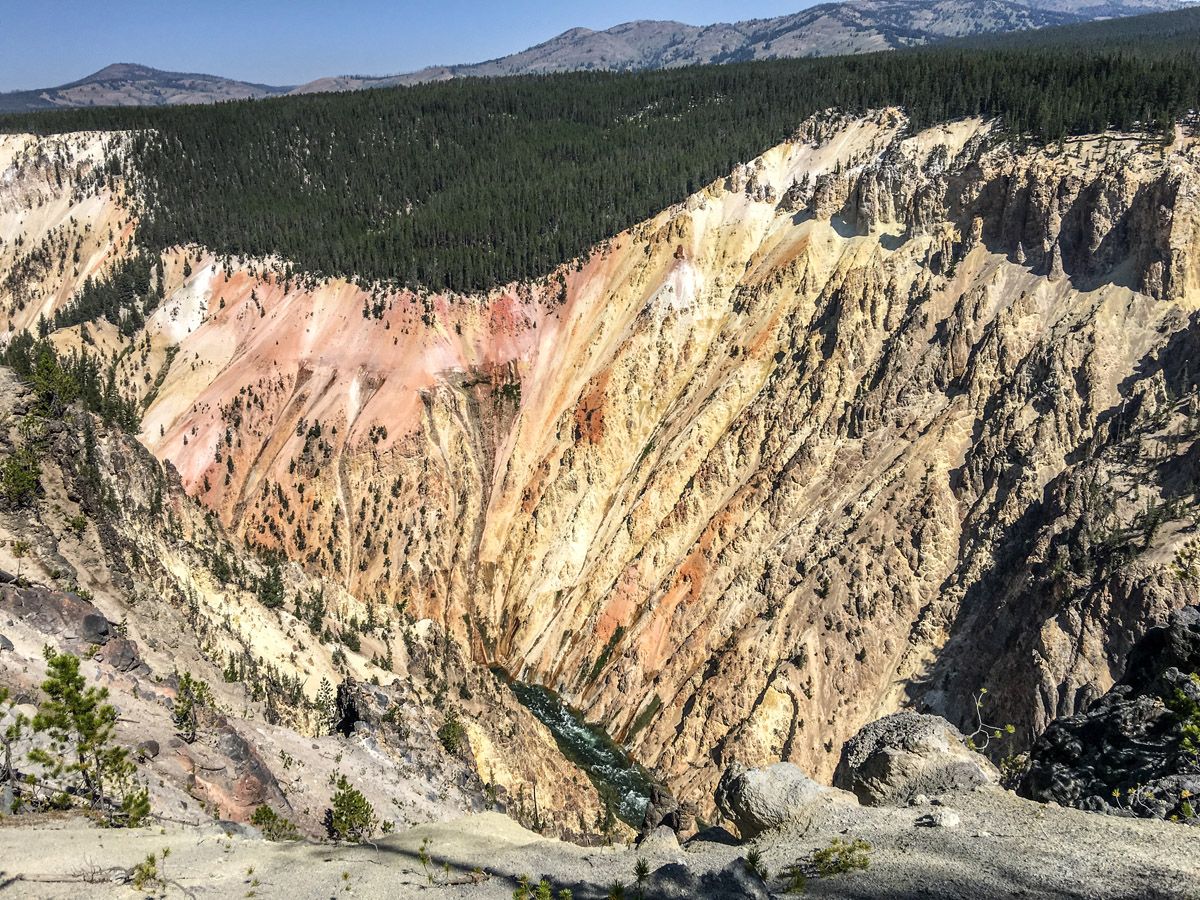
664 811
891 761
75 622
1136 750
499 754
230 776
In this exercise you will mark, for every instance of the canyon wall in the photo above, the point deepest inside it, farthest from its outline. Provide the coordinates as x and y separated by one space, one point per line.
878 420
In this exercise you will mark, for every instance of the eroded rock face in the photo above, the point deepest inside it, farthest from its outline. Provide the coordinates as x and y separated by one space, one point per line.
878 421
891 761
159 591
1136 750
503 754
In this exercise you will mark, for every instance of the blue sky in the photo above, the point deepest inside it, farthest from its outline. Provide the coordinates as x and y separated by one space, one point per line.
49 42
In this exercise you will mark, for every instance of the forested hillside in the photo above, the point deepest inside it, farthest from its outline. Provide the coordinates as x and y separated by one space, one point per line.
466 184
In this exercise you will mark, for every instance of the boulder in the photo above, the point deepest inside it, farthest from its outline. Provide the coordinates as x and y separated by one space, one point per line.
6 646
940 818
734 882
674 881
148 749
121 654
757 800
893 759
238 829
713 834
1127 754
94 629
660 842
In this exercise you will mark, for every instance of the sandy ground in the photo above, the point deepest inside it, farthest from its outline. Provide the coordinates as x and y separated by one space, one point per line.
1004 847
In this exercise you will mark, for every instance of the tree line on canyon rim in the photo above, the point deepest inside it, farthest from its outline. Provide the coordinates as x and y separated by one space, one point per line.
467 184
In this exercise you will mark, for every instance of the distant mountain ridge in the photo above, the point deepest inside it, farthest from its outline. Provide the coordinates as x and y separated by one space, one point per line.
828 29
856 26
130 84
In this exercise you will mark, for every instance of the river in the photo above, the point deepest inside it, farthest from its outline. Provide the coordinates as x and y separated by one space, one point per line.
588 746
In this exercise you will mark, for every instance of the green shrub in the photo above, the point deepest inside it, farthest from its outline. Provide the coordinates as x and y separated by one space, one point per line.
452 734
273 826
754 862
20 475
543 890
145 874
135 807
838 858
351 818
841 857
1187 711
425 859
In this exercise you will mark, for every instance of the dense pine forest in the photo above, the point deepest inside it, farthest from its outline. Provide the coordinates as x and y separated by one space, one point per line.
465 184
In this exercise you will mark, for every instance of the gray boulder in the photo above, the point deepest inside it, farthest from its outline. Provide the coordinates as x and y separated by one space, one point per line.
895 758
940 818
674 881
757 800
6 646
148 749
121 654
662 841
734 882
95 629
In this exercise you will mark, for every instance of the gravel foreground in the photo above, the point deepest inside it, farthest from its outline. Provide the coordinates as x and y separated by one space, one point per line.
1002 846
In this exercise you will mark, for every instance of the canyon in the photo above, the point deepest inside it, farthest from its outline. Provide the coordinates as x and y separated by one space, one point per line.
878 421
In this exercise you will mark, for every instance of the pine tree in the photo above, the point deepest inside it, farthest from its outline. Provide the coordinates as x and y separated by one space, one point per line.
325 707
270 587
191 696
20 478
12 728
81 757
